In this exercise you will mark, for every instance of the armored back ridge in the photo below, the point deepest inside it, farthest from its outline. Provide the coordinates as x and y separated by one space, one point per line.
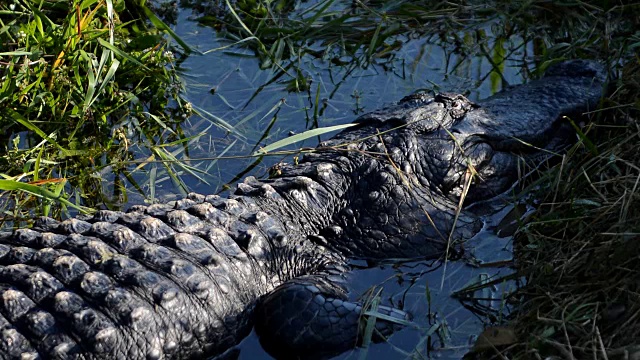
189 279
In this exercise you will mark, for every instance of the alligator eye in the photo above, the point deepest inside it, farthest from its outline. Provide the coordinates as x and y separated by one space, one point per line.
457 108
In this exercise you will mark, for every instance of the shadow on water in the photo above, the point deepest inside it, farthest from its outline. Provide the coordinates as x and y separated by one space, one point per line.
244 107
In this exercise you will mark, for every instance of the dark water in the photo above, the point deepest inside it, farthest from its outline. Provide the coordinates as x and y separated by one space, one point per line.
220 83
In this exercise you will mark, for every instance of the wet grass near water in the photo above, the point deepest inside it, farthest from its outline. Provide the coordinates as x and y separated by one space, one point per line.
86 87
96 113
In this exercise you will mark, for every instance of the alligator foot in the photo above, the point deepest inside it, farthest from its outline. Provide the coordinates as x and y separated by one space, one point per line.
310 317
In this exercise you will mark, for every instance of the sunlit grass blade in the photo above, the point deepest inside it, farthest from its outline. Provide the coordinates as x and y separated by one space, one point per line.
110 19
273 79
239 20
374 41
583 137
369 325
300 137
266 132
92 81
167 161
321 12
275 107
215 120
57 191
121 53
161 123
109 76
36 165
170 160
381 316
230 45
39 191
16 53
213 162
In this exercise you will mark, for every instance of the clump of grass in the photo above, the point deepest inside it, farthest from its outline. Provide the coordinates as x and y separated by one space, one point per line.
82 84
579 255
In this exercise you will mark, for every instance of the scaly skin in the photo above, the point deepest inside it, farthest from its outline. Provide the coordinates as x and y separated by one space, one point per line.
189 279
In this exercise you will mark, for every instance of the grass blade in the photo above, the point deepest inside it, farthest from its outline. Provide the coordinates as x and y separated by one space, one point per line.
121 53
162 26
31 126
12 185
299 137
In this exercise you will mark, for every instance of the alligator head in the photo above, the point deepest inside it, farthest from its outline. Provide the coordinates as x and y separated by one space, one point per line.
397 185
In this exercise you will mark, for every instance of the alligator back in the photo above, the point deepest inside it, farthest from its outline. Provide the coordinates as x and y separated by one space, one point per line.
164 281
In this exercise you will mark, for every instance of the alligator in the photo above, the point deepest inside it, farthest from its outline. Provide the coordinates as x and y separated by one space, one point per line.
190 278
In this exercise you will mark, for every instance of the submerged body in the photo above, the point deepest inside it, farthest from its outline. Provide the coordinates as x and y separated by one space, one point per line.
189 279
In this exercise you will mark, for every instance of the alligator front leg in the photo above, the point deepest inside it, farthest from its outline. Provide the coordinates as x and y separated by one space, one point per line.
310 317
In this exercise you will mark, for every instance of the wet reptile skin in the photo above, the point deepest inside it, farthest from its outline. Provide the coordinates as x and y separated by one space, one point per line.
189 279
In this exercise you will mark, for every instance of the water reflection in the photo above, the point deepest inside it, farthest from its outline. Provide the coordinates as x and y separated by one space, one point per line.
244 106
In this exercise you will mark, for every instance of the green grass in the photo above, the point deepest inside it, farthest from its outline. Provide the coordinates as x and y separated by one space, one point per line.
82 84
